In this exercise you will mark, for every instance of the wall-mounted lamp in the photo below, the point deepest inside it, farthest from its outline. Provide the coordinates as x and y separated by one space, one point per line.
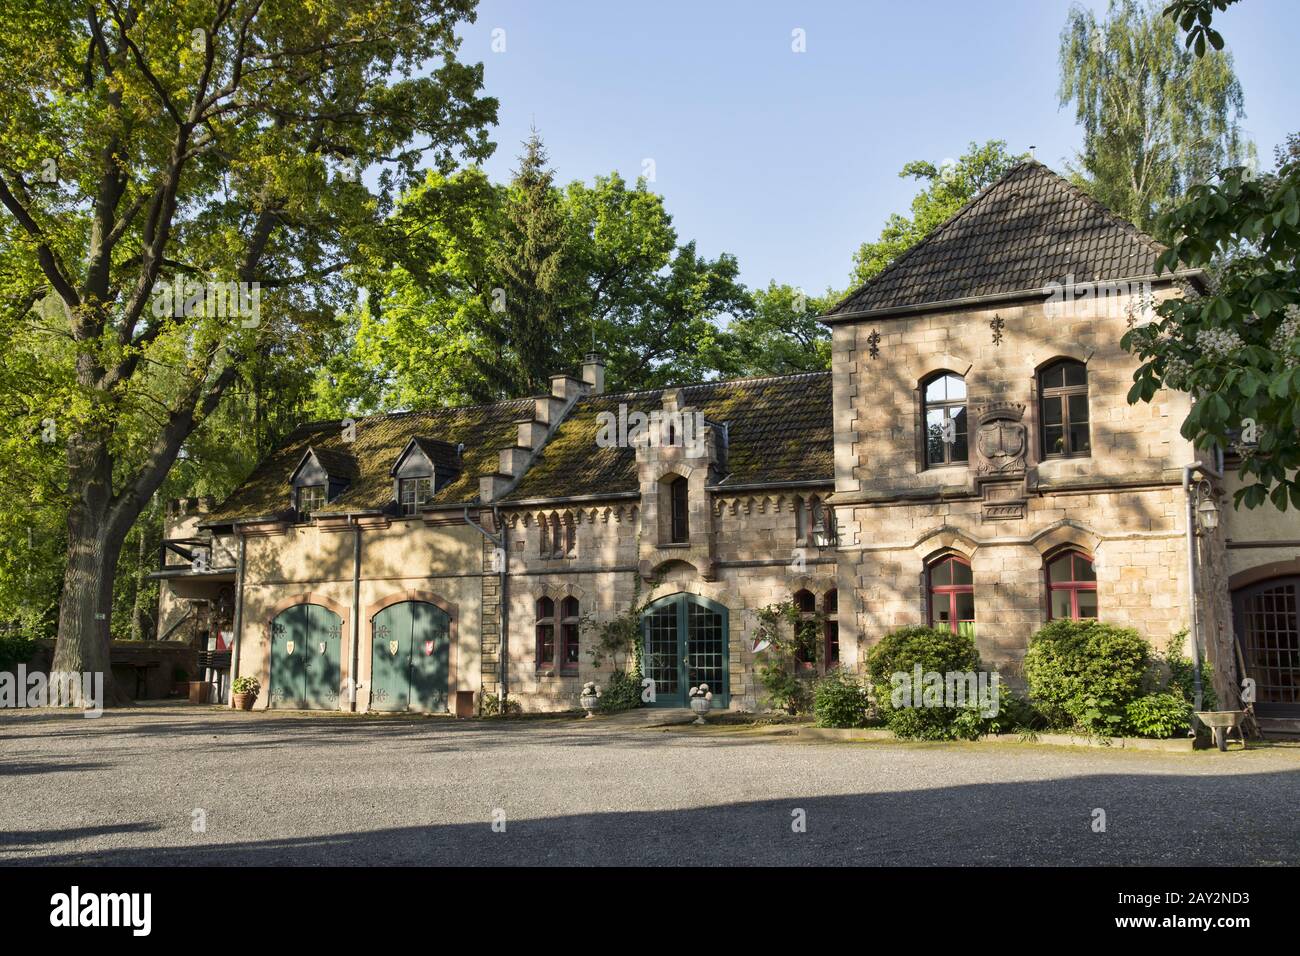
1207 511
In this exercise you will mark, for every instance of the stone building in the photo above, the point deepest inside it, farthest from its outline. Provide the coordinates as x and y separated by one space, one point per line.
969 461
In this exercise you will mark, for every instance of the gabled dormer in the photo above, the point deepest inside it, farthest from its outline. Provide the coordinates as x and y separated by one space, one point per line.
420 472
321 476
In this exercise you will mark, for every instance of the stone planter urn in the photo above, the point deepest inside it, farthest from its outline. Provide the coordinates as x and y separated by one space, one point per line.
244 701
701 702
589 698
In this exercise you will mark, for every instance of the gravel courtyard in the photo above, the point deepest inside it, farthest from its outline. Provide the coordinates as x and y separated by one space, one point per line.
336 789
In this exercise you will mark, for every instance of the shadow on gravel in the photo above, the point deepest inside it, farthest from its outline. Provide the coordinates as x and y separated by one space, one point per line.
41 837
1151 819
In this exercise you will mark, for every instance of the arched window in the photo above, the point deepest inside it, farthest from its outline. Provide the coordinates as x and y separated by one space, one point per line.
805 638
544 536
545 633
678 497
952 595
944 413
1071 586
1063 401
831 611
569 632
570 537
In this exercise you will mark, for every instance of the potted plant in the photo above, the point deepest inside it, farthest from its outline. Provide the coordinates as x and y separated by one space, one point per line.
589 698
244 692
701 701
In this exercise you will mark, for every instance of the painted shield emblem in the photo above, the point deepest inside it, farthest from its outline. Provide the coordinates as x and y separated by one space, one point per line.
288 647
392 648
322 647
428 648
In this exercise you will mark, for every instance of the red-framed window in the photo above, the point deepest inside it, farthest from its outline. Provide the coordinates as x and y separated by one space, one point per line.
831 628
951 594
545 633
570 619
1071 587
805 644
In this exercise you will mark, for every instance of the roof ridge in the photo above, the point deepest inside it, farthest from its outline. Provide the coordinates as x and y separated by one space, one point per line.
388 416
750 380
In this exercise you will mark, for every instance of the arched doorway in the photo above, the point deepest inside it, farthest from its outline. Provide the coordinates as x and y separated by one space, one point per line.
410 644
1266 618
305 656
685 643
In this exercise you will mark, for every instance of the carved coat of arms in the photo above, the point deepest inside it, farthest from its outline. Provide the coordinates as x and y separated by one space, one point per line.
1001 439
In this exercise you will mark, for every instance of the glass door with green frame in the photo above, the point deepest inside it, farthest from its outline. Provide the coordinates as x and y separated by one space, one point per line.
685 645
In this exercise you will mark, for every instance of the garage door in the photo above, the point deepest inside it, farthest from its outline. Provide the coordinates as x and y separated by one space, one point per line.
408 662
305 656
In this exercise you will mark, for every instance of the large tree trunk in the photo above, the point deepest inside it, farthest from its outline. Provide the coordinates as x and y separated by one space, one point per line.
96 532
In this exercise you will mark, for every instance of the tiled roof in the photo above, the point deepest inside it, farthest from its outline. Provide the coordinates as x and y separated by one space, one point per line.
1028 229
779 430
484 429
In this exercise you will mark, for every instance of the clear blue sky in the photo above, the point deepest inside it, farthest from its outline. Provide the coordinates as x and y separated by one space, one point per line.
790 160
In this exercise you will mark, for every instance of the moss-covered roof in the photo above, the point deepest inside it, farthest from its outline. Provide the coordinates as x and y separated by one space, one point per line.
484 430
778 430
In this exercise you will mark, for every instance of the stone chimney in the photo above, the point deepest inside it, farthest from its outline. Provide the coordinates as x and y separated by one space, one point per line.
593 373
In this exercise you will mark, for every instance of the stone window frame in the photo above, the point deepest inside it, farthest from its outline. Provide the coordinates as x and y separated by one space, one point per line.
1073 586
1061 393
677 492
831 626
544 614
806 603
939 364
569 619
945 404
558 536
806 523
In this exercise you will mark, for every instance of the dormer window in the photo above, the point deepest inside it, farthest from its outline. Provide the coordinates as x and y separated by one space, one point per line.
321 476
421 470
413 493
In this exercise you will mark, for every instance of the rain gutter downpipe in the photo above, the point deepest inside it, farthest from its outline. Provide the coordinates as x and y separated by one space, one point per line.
503 563
1189 492
239 614
353 686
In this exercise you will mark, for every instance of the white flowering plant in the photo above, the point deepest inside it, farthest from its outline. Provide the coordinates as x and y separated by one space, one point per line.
1234 344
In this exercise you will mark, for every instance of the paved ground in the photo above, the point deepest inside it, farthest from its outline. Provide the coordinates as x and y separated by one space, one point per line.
334 789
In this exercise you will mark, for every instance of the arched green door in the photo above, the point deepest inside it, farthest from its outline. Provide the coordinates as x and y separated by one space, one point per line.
306 642
685 645
410 646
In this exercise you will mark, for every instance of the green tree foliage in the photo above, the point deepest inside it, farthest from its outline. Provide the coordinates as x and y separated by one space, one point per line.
948 187
780 334
1156 119
212 140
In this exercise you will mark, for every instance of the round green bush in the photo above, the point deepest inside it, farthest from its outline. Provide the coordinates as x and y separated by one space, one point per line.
1085 673
934 649
841 700
1158 715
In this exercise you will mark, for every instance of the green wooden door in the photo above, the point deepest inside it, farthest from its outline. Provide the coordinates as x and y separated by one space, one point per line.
321 658
390 658
288 640
409 658
430 645
685 645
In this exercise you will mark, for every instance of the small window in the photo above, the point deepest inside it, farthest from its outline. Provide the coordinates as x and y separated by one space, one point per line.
952 595
678 494
1063 401
545 633
944 413
311 498
1071 587
570 538
414 493
831 628
570 622
544 537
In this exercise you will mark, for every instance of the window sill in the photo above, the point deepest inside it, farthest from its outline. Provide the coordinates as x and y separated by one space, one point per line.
675 544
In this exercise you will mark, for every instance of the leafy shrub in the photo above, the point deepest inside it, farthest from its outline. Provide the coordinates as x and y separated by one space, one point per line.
621 692
1182 673
785 691
15 649
934 649
840 700
1084 674
490 706
246 685
1158 715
